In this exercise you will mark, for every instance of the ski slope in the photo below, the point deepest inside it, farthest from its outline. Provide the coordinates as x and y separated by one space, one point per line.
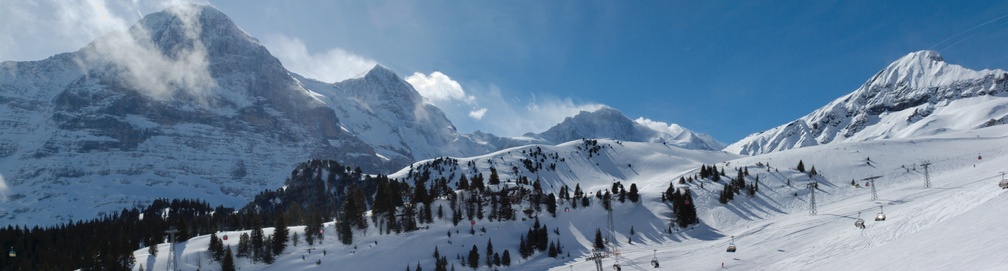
954 225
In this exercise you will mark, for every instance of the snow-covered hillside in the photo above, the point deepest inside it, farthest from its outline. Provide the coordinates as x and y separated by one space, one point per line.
917 95
955 224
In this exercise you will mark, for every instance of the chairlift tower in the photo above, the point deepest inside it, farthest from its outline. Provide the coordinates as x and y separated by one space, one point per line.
172 264
812 187
927 177
874 192
611 231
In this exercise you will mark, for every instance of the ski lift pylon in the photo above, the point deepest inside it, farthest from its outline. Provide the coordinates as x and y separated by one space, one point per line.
731 245
881 215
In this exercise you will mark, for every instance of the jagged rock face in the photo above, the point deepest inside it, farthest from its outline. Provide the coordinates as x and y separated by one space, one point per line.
389 114
610 123
919 94
90 131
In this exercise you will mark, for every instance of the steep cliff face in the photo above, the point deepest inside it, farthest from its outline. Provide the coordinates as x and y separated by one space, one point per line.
390 115
918 94
184 104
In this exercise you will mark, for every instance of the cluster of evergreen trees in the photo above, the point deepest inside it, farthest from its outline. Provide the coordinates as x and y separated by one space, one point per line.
682 206
736 186
107 243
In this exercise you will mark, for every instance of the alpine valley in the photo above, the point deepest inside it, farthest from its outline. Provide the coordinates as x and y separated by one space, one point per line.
373 176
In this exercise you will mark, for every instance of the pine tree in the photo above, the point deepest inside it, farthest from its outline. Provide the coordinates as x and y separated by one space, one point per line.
494 178
801 166
258 240
216 247
345 233
280 235
687 213
506 258
551 204
227 263
153 249
244 246
633 195
813 172
474 257
599 244
489 251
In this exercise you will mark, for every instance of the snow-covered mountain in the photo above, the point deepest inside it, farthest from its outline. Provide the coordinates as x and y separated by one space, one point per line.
390 115
953 225
607 122
184 104
919 94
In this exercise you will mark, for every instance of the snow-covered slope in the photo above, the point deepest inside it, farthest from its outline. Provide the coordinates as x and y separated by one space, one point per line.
184 104
917 95
607 122
955 224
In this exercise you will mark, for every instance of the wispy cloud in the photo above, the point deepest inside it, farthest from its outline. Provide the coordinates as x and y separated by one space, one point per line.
333 65
446 93
61 26
672 129
516 115
145 66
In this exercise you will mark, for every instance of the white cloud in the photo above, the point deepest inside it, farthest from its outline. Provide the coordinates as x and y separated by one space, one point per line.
446 93
439 87
43 28
142 62
543 113
478 113
333 65
672 129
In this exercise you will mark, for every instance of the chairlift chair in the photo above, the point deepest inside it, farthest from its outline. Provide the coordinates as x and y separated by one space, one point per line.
859 223
12 254
731 245
1004 182
880 216
654 261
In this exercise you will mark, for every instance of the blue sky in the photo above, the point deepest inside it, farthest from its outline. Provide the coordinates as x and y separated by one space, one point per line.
726 68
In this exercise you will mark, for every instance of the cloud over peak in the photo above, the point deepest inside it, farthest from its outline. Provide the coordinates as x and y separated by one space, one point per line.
333 65
445 92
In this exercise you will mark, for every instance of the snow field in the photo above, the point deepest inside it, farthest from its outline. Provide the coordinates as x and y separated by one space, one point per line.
953 225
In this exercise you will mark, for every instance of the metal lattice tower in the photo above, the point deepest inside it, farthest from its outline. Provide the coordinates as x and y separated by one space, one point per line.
927 177
172 260
611 239
874 192
812 187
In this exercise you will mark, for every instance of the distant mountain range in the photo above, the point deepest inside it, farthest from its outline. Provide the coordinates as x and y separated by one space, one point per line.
186 104
917 95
